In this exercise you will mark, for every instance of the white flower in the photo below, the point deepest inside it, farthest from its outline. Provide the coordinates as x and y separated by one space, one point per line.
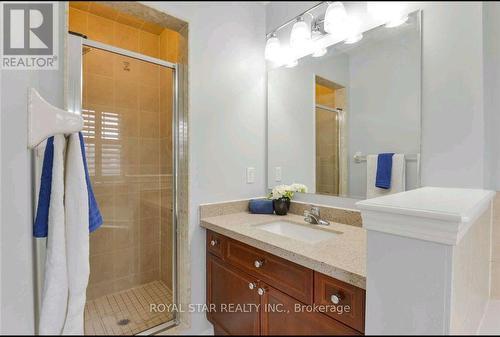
280 191
287 191
301 188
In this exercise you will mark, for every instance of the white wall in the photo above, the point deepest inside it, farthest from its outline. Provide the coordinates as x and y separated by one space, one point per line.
227 113
278 12
396 264
17 290
452 90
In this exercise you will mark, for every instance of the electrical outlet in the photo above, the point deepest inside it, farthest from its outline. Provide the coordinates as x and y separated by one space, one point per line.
277 173
250 175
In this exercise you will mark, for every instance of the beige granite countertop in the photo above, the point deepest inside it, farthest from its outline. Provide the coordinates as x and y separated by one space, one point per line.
342 257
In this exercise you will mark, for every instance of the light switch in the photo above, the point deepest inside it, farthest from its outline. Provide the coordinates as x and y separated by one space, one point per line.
250 175
277 173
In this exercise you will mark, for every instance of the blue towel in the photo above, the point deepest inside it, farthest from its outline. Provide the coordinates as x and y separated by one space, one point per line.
384 170
41 225
261 206
95 217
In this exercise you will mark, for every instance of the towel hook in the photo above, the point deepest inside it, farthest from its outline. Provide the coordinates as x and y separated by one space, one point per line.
46 120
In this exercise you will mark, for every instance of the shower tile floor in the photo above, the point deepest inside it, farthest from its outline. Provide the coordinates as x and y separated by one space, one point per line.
127 312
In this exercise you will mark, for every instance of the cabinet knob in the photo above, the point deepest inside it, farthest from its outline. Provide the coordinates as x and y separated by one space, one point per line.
252 286
261 291
213 243
335 298
258 263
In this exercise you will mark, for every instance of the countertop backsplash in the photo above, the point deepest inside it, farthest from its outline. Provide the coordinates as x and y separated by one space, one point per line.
332 214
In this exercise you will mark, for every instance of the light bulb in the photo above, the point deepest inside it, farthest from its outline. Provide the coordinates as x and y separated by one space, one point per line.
300 37
389 12
289 57
273 48
353 30
335 18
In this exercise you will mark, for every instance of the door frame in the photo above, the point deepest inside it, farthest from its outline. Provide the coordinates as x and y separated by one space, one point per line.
73 103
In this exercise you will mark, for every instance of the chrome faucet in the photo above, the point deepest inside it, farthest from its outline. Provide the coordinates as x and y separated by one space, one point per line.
313 217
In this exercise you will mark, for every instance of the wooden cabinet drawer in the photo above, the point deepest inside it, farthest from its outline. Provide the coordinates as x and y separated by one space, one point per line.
216 244
287 320
327 290
295 280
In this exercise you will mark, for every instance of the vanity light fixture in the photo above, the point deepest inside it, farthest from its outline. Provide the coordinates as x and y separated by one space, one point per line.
335 18
300 37
389 12
273 48
316 32
353 30
337 26
319 48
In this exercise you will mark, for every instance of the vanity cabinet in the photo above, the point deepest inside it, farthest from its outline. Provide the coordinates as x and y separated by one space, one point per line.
227 285
252 292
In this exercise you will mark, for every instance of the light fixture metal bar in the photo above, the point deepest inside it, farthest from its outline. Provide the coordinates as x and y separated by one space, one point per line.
295 18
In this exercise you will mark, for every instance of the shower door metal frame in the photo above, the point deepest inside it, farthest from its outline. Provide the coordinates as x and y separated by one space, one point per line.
74 103
340 115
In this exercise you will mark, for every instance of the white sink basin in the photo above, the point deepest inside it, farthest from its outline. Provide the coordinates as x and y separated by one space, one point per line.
298 232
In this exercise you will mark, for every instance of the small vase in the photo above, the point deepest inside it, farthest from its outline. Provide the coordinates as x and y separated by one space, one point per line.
281 206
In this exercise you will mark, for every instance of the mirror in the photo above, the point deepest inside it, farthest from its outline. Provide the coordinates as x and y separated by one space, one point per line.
328 115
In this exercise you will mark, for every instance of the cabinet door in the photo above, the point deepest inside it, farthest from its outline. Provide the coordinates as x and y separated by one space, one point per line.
280 316
235 305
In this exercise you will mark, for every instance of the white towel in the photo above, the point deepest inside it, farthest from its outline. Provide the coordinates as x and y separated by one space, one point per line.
398 176
66 212
55 286
77 236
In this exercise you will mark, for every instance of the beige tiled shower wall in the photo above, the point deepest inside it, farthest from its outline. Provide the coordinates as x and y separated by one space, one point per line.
495 264
107 25
127 106
327 139
327 152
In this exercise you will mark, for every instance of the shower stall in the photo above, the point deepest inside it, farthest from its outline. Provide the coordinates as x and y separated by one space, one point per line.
327 150
330 134
129 105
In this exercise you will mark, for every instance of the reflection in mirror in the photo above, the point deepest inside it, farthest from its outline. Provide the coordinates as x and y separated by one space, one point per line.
330 117
330 99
